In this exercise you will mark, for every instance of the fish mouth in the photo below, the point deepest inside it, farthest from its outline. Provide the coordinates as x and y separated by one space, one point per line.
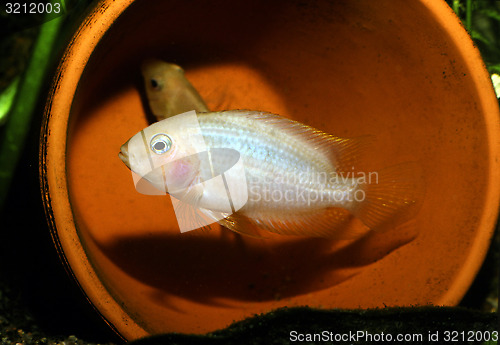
123 154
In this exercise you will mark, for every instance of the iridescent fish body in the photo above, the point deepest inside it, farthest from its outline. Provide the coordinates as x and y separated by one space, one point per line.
292 171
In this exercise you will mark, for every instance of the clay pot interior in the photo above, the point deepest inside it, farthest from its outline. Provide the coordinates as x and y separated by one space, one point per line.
405 74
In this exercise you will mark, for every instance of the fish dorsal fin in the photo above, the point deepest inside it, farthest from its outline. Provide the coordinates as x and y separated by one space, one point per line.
348 152
332 223
343 153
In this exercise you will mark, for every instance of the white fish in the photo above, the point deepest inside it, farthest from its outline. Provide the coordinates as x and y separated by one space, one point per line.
293 175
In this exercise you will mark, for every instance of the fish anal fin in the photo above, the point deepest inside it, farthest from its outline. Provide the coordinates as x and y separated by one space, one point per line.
332 223
241 225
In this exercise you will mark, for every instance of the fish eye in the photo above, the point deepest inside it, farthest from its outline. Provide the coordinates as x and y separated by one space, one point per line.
154 83
161 143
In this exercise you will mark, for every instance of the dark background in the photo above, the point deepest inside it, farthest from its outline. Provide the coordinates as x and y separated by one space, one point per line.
39 302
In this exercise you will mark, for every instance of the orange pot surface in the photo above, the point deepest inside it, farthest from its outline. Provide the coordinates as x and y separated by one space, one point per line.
406 73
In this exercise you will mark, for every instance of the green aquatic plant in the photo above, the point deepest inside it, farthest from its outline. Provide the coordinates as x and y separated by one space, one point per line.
18 103
7 98
481 18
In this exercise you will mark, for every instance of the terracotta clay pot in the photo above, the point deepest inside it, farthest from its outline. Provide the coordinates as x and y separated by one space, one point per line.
405 73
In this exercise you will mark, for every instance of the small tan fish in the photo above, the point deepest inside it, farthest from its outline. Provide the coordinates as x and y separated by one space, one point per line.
293 175
168 91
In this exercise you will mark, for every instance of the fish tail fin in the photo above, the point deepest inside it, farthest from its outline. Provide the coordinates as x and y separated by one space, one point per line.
392 198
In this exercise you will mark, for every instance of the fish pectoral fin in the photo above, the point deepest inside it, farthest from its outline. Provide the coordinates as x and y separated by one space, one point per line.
241 224
332 223
189 215
191 195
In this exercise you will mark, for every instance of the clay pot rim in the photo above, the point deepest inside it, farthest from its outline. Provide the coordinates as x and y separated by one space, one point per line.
489 104
53 164
53 177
